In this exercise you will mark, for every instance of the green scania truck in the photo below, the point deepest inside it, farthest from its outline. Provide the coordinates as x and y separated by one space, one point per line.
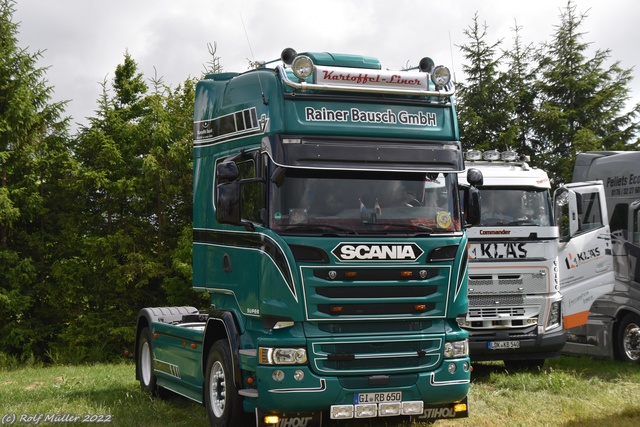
328 229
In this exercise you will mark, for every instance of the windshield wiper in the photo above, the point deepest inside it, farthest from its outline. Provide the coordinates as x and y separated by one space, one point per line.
312 227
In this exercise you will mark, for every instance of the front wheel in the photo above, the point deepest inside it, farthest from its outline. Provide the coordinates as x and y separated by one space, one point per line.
144 359
628 339
223 403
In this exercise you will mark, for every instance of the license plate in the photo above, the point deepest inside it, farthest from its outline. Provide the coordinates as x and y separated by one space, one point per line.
381 397
499 345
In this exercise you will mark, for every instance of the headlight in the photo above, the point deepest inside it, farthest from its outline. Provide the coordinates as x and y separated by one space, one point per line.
282 356
453 349
555 313
302 67
441 76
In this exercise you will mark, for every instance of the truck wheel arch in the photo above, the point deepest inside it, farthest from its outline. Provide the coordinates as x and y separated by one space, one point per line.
222 325
148 315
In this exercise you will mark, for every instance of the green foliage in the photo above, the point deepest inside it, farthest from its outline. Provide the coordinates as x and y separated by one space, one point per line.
95 226
566 104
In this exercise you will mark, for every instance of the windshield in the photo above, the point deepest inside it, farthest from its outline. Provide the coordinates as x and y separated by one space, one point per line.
334 202
515 206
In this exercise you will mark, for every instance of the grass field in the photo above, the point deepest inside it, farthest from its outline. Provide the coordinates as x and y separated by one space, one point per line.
570 392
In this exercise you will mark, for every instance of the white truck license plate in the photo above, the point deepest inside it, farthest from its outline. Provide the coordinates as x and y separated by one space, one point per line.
381 397
499 345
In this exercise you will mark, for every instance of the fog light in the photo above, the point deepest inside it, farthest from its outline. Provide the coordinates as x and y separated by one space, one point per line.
460 407
465 366
389 409
277 375
271 419
339 412
451 368
412 408
298 375
366 410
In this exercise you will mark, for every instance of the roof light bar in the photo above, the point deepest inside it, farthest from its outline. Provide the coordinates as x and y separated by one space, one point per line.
473 155
491 155
509 156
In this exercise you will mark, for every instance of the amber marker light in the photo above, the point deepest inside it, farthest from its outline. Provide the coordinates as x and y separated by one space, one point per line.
350 274
460 407
156 335
271 419
336 309
194 346
406 274
420 307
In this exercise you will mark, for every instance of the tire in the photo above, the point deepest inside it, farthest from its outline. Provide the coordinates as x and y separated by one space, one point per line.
628 339
223 403
524 365
144 361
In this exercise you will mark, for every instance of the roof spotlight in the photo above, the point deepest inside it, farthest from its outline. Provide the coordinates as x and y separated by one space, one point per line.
441 76
302 67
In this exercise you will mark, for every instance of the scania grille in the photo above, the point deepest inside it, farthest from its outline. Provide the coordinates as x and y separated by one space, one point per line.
382 356
366 293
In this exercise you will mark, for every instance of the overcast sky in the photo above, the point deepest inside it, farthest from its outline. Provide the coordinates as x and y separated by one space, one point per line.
84 40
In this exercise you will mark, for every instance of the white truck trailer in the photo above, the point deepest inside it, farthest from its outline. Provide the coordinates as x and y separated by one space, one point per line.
518 311
613 327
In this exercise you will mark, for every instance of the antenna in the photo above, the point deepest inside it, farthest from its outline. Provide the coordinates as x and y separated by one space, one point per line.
253 59
453 67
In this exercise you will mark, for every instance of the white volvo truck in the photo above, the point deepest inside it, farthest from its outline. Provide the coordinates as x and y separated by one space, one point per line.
519 305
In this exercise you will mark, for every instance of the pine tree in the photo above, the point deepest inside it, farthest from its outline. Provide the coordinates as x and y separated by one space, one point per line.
483 105
33 155
581 102
518 85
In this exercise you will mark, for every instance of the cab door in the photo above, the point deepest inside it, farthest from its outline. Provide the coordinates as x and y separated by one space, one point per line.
585 257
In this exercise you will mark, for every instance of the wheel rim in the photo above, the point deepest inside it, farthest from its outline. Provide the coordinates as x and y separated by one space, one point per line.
145 363
218 389
631 342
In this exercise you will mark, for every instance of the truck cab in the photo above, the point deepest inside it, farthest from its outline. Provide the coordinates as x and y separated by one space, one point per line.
613 326
535 266
336 285
514 295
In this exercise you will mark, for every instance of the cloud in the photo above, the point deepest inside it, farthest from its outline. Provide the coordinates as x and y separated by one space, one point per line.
86 39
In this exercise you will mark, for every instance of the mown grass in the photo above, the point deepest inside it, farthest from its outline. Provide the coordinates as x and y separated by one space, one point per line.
568 392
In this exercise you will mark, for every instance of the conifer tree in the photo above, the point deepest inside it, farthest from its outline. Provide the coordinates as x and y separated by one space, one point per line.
581 102
483 105
33 155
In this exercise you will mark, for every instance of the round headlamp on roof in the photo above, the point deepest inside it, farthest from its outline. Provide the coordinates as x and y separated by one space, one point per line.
473 155
509 156
302 67
441 76
491 155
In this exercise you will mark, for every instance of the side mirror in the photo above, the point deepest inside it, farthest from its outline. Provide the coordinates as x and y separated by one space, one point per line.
474 177
471 204
227 171
228 203
566 212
